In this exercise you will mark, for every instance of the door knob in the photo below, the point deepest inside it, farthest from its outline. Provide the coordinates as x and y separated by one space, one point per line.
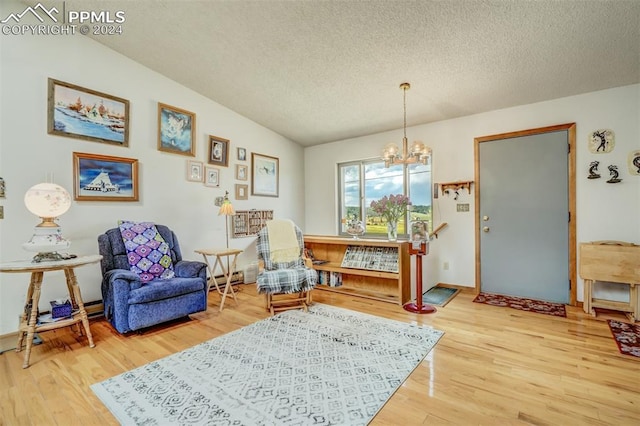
485 229
485 218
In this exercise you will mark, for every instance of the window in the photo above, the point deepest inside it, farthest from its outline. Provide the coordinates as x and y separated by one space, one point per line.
361 182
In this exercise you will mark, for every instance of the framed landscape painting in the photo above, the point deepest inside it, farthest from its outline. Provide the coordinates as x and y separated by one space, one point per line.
78 112
104 178
264 175
176 130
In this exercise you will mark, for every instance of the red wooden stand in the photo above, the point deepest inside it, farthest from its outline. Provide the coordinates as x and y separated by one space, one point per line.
418 307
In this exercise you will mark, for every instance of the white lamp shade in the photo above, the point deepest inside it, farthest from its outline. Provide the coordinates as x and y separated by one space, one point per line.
47 200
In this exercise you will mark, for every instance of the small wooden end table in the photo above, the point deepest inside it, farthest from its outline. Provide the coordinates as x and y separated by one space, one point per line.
219 254
28 321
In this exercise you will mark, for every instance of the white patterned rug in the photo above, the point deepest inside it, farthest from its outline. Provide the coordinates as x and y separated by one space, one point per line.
330 366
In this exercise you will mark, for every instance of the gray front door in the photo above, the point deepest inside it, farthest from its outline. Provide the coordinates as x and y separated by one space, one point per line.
523 210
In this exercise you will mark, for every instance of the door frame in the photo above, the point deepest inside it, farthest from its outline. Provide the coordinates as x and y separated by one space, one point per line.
571 176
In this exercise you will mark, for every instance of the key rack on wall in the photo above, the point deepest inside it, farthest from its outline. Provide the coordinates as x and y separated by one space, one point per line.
455 187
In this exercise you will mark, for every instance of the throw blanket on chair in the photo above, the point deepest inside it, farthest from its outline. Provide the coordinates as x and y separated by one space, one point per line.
148 253
283 243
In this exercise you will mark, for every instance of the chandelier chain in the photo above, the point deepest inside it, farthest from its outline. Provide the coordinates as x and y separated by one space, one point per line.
405 111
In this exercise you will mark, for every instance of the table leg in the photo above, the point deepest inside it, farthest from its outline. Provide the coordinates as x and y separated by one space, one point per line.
588 293
33 296
211 278
72 282
228 286
633 301
72 297
213 275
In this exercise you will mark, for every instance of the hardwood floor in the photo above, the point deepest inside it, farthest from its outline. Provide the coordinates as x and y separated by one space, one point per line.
493 366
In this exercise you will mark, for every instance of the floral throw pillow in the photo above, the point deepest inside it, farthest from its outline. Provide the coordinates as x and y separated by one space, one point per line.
148 253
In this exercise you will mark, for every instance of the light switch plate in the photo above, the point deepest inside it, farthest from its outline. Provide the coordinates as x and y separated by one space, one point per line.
462 207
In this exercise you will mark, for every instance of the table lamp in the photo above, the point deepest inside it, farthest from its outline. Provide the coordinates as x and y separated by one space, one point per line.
48 201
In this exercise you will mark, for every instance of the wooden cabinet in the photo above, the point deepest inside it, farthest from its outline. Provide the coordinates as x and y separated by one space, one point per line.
611 261
384 276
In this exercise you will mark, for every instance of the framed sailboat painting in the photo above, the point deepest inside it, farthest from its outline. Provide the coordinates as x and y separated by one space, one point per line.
78 112
104 178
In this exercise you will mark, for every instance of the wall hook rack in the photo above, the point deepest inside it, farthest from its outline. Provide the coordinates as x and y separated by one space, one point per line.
456 187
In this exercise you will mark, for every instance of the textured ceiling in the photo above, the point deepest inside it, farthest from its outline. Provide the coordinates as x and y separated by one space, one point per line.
320 71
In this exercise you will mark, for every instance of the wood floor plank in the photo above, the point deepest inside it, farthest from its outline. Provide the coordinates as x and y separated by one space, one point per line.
493 366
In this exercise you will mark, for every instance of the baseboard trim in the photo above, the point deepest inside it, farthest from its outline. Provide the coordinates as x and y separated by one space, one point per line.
462 288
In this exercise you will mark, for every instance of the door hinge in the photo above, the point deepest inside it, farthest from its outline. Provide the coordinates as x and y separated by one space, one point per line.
569 218
568 148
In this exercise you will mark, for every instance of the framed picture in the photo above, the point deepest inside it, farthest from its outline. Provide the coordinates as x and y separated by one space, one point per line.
265 174
242 172
242 154
195 171
218 151
81 113
104 178
211 176
242 191
176 130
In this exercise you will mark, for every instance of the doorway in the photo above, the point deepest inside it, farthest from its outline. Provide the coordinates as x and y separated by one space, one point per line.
525 214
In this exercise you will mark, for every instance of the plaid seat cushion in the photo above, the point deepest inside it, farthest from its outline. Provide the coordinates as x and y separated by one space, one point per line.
283 278
285 281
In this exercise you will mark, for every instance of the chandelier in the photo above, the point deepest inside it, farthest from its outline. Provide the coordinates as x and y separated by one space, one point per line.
419 153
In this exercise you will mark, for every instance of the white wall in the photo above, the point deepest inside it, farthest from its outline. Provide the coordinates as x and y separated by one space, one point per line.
28 154
605 211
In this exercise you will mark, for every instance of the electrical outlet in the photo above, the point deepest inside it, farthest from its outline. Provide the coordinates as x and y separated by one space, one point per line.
445 266
462 207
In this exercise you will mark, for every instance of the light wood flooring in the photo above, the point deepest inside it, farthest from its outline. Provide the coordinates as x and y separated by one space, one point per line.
493 366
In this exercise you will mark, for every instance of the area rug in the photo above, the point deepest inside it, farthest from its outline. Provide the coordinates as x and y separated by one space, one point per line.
439 296
327 366
627 337
529 305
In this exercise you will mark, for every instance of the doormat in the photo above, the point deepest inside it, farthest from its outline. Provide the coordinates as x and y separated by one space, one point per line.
627 337
439 296
530 305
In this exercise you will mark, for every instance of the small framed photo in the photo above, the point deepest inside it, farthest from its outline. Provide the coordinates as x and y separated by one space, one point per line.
195 171
218 151
176 130
242 154
242 172
81 113
264 175
242 191
104 178
212 176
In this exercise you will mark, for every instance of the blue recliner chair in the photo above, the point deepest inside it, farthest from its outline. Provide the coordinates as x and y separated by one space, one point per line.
130 304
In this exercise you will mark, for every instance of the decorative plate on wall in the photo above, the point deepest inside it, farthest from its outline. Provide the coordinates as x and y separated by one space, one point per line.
634 163
601 141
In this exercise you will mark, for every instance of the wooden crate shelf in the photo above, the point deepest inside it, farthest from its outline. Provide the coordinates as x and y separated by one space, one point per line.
386 286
